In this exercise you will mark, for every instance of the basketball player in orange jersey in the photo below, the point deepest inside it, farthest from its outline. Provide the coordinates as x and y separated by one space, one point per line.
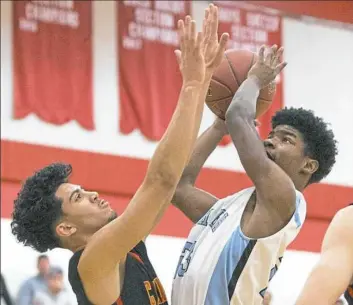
237 243
333 274
110 263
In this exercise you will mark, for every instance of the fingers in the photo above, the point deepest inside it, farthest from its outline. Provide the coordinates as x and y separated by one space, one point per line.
181 34
220 49
223 42
280 67
277 57
187 27
270 54
178 56
273 56
199 40
193 30
205 19
261 57
214 19
187 32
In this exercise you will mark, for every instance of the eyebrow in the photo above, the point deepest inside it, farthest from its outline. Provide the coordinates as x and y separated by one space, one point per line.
285 132
73 193
289 133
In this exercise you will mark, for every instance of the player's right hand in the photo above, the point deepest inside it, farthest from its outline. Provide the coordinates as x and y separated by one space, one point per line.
190 57
266 68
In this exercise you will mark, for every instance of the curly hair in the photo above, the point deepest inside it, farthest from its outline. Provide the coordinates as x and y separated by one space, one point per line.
36 207
319 140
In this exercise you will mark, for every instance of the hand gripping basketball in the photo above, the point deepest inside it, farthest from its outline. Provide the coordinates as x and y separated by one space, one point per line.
266 68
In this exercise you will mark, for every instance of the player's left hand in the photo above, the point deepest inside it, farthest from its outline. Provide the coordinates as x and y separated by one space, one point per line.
211 48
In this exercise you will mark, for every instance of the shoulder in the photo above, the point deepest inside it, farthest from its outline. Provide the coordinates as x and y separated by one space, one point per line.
340 230
29 282
40 296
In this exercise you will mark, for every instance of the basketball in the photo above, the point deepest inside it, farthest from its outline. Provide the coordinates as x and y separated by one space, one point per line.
227 78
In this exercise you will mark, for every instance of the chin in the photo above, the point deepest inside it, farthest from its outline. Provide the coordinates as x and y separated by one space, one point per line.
113 215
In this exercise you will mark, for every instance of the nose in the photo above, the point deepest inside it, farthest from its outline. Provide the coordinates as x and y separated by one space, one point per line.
269 143
93 196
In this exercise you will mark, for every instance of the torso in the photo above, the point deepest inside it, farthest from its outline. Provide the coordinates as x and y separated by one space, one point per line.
230 272
140 285
271 221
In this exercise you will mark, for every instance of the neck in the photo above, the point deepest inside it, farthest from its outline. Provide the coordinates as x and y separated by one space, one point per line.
300 183
54 292
76 243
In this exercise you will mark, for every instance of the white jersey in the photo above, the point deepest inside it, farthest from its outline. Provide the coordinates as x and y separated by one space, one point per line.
219 265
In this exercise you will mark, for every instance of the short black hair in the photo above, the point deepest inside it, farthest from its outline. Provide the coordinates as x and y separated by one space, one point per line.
36 208
319 140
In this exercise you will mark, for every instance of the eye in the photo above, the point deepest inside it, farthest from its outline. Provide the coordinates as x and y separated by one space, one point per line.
78 197
287 140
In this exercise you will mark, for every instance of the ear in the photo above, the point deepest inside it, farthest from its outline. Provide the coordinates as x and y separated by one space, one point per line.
310 166
65 229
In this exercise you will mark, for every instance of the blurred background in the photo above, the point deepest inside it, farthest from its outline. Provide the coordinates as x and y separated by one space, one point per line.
95 84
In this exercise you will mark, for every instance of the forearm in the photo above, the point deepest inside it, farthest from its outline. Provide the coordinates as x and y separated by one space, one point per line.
244 101
173 151
205 145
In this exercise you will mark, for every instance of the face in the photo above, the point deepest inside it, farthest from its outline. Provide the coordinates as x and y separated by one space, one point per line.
285 146
55 283
84 212
43 266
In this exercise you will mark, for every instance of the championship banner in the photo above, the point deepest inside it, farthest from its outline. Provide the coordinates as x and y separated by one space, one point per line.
149 77
249 28
52 61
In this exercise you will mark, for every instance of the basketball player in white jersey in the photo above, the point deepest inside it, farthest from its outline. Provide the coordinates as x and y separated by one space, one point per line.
333 274
237 243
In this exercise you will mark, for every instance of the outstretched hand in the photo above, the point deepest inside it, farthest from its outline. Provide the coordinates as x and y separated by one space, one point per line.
211 48
266 68
200 53
190 56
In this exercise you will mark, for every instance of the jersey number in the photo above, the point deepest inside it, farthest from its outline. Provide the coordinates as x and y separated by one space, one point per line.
185 259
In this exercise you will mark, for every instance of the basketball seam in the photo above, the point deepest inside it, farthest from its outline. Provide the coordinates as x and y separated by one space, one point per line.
220 99
233 70
217 80
263 99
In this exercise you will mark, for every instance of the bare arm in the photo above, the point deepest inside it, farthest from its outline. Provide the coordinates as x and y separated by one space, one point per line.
332 274
110 244
99 262
193 202
190 200
274 187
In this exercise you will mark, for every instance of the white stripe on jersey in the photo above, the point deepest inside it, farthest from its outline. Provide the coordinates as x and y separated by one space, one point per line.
219 265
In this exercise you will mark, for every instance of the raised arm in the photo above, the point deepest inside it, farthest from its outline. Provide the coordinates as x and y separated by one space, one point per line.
109 245
332 274
193 202
273 185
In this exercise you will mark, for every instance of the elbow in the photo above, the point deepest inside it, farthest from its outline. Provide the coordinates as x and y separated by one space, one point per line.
238 117
162 179
180 192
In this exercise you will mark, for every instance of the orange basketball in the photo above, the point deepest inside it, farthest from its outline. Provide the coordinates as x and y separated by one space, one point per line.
227 78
